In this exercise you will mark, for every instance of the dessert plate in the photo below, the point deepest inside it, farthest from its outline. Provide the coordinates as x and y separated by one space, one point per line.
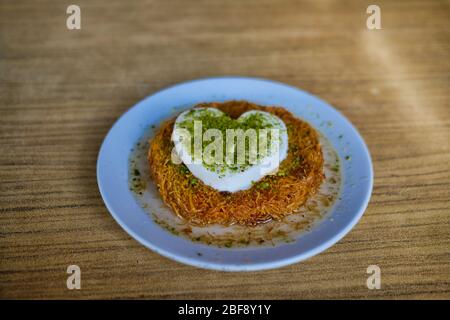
355 166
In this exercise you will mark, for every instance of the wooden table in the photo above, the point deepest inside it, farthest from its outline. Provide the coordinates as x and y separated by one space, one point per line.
61 90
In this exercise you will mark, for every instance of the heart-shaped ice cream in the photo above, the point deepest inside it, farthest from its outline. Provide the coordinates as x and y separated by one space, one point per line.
229 154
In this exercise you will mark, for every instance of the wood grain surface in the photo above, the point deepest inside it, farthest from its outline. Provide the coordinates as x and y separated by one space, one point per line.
61 90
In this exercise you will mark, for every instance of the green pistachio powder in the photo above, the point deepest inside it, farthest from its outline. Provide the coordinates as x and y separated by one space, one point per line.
222 122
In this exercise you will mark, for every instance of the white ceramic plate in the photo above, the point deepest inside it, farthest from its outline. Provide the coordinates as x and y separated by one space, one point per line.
113 179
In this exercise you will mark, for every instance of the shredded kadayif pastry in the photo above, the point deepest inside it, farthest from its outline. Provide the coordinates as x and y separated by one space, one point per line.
273 197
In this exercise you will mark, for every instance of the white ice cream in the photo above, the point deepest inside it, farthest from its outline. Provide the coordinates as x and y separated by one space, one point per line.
229 180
